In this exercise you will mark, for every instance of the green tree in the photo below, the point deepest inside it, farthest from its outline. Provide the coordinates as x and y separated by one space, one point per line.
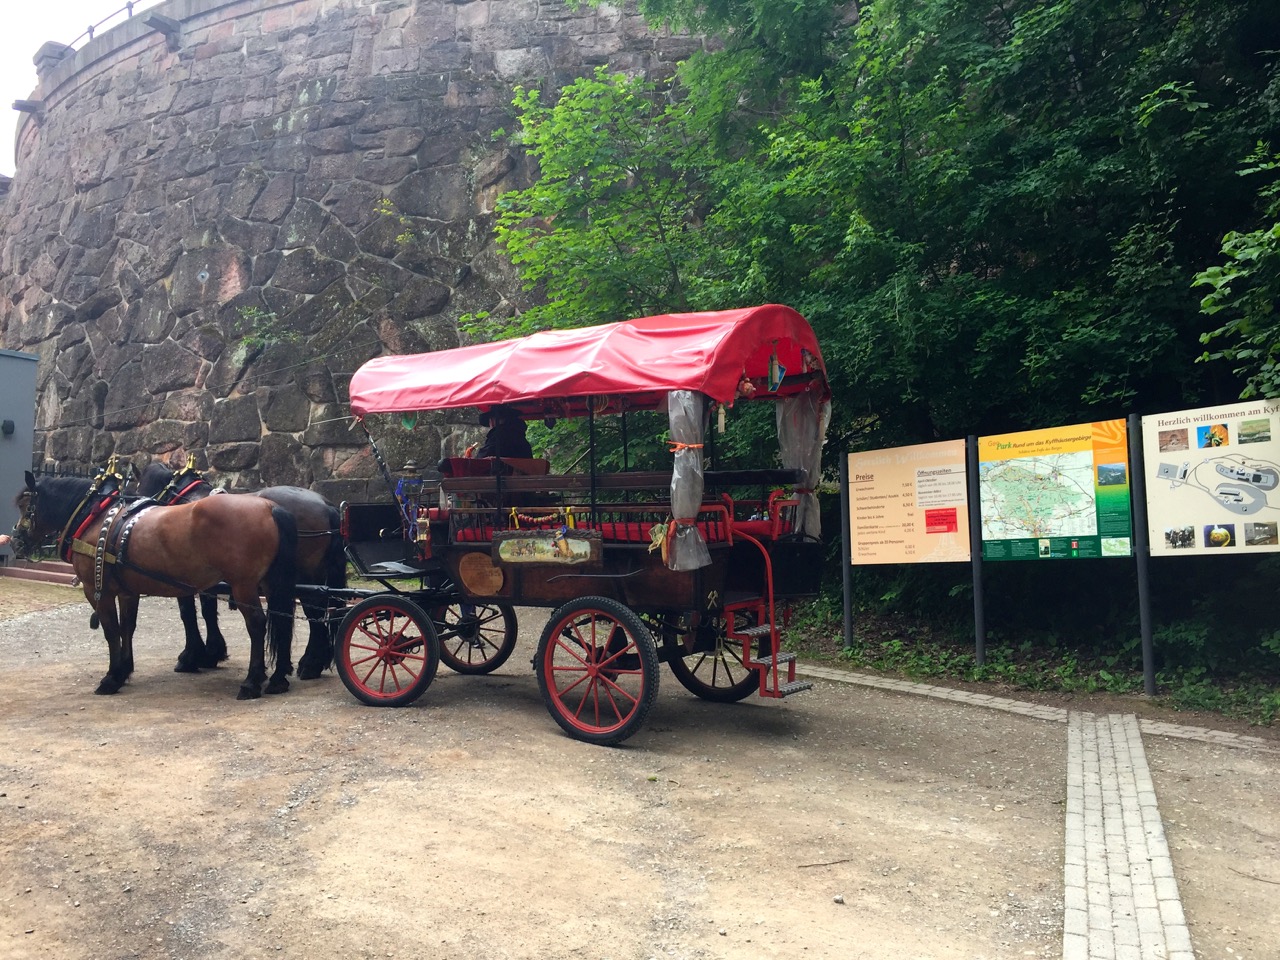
994 212
1246 287
611 225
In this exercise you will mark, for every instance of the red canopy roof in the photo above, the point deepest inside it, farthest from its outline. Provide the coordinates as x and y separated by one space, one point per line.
638 359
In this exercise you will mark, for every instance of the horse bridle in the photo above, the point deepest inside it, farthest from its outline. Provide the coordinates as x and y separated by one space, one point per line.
172 493
24 531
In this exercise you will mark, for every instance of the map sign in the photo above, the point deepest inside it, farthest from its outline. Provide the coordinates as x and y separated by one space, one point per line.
1057 493
909 504
1213 479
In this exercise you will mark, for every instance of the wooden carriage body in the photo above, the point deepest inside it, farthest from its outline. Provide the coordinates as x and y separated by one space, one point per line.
683 566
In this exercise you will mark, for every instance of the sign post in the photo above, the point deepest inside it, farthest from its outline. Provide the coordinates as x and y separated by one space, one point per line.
1142 554
909 504
975 553
1213 481
1056 493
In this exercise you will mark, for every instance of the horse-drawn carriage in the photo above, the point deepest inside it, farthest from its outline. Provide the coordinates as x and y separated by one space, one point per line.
687 566
638 567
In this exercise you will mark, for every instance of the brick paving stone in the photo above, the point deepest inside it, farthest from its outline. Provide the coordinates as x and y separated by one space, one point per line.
1120 894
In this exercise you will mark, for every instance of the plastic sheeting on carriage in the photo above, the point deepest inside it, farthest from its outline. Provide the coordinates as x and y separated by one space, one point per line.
685 566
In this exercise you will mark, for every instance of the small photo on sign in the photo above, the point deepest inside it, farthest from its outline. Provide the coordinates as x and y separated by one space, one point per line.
1111 474
1173 440
1258 534
1220 535
1213 435
1255 431
1180 538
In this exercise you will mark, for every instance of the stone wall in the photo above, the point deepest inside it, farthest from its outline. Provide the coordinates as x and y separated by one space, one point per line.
325 169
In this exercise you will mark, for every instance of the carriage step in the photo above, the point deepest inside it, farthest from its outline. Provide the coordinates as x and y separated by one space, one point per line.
763 630
787 689
782 658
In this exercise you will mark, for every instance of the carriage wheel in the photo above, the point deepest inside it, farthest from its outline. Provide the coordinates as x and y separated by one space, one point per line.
478 641
597 669
716 673
387 651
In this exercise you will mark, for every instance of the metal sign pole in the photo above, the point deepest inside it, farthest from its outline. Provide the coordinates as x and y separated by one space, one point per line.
975 552
846 552
1141 550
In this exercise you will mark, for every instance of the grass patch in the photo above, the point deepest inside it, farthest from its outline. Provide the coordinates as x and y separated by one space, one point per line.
916 649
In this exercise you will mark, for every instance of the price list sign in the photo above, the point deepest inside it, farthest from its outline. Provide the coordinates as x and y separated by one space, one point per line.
909 504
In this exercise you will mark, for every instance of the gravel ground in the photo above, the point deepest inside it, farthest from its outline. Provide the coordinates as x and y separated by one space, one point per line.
172 820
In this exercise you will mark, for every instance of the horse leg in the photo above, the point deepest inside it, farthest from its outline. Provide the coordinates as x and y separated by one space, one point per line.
281 581
192 657
323 616
215 643
281 644
319 653
117 672
255 621
128 626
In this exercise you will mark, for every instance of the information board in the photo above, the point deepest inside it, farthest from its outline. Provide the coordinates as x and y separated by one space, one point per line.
1213 479
909 504
1057 493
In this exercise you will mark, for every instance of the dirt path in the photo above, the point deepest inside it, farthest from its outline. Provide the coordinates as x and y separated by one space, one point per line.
174 821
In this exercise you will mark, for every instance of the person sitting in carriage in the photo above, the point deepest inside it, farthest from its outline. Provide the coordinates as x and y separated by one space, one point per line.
506 437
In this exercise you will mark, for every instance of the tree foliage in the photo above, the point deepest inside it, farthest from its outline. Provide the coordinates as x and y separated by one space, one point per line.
1247 288
998 214
613 217
994 212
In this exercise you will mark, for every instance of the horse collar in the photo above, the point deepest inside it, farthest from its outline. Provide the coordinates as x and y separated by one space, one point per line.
66 543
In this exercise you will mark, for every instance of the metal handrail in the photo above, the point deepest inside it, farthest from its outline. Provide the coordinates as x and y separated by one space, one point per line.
127 10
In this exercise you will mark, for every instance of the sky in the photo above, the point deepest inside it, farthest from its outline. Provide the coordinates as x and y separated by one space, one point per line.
26 26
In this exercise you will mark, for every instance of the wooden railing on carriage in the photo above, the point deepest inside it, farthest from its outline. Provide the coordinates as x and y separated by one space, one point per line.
621 505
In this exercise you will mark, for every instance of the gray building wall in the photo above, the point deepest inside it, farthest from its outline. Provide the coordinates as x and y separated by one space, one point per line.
17 407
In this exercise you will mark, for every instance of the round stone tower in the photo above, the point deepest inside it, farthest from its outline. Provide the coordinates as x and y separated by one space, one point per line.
222 207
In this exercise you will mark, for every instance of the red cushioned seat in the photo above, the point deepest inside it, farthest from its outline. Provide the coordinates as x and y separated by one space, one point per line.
760 529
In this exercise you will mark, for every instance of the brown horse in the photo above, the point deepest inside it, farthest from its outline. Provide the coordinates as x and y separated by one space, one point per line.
121 552
321 560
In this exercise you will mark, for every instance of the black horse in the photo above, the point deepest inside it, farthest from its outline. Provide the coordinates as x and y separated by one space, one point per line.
122 551
321 560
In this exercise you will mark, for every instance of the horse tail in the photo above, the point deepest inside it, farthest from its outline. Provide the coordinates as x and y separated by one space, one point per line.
281 582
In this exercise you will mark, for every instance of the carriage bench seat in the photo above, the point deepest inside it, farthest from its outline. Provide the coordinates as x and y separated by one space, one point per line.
376 544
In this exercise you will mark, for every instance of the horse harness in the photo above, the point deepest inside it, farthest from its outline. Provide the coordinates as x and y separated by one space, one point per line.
111 549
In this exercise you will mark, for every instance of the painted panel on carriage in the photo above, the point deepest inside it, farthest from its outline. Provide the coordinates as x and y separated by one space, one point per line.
1213 479
1056 493
555 547
909 504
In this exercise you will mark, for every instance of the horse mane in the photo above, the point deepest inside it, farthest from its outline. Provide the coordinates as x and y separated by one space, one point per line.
154 478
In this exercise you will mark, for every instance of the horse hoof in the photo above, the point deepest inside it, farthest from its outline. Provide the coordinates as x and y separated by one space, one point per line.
277 686
248 693
307 671
184 667
107 687
207 663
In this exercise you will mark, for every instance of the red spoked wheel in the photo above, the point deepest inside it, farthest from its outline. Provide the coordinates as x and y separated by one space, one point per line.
597 668
716 669
475 638
387 652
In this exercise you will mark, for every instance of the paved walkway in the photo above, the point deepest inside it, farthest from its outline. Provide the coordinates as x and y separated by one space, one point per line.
1120 894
